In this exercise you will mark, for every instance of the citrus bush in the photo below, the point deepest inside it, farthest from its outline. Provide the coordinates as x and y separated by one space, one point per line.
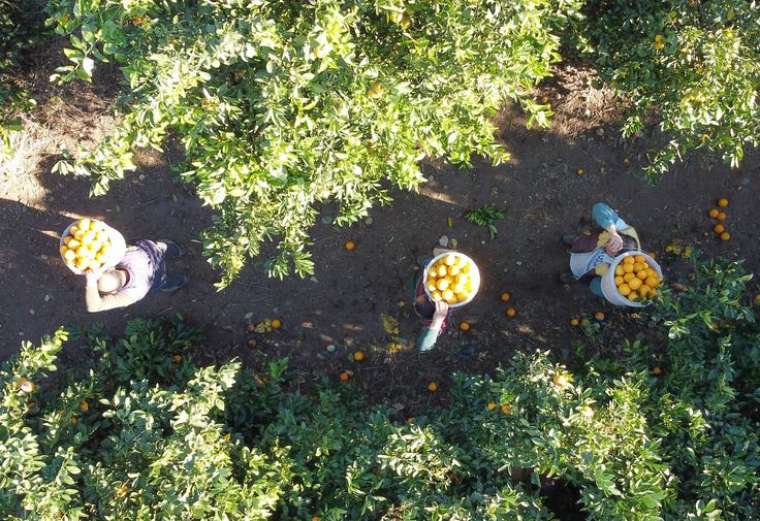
19 28
282 106
693 65
666 429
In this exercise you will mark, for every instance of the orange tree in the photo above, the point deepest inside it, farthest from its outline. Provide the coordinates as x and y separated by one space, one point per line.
20 25
282 106
139 430
692 66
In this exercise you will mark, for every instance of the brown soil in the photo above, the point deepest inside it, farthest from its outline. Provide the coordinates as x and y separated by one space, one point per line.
343 303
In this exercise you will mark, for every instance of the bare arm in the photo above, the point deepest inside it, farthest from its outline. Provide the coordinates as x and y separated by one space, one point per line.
97 302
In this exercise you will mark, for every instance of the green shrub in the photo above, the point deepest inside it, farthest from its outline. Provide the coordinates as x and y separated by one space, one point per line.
284 106
20 25
694 64
145 433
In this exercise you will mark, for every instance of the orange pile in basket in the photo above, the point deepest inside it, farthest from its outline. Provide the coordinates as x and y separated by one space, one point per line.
636 279
453 279
86 245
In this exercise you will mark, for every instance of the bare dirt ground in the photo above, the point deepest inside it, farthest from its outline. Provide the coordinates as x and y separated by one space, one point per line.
343 303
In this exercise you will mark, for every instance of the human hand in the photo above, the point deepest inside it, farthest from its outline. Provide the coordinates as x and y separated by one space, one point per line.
614 244
91 277
441 311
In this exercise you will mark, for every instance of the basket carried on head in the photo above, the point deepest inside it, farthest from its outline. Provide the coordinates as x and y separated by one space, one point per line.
89 245
612 291
453 277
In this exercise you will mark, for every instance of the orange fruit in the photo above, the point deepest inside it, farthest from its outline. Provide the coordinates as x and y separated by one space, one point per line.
506 296
350 245
431 286
644 291
84 406
506 408
511 312
725 236
634 284
599 315
643 274
713 213
641 259
652 282
656 371
629 277
619 270
276 323
629 260
464 326
580 171
436 296
69 255
628 266
432 387
25 385
721 216
619 281
574 322
450 260
442 284
634 296
442 271
449 296
344 377
624 290
359 356
638 266
719 228
491 406
723 202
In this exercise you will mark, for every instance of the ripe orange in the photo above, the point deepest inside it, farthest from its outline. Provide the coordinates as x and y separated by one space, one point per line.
344 377
721 216
619 280
580 171
464 326
506 296
635 283
560 380
713 213
723 202
599 315
624 290
652 282
657 371
725 236
350 245
432 387
25 385
719 228
574 322
506 408
84 406
276 323
511 312
628 266
359 356
629 276
619 270
491 406
629 260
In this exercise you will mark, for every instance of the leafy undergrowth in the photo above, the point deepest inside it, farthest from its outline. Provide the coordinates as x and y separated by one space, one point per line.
668 431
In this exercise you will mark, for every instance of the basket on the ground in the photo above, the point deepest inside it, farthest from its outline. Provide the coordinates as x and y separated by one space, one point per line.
461 273
114 251
610 289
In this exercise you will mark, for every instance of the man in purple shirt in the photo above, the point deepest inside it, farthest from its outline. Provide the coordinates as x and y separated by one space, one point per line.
140 271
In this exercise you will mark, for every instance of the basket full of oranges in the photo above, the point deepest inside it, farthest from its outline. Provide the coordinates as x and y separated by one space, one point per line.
632 280
452 277
89 245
